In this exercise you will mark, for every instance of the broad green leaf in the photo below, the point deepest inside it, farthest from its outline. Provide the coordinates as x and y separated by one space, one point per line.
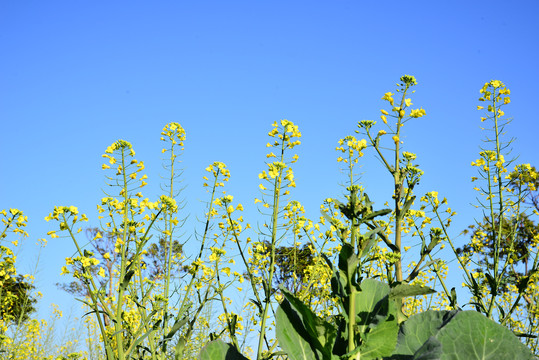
219 350
292 336
456 335
321 334
376 320
469 336
415 331
380 340
368 301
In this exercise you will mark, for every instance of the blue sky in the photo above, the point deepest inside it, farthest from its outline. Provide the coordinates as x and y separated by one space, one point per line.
76 76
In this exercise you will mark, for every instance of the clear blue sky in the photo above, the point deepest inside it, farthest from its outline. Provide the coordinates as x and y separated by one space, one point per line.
76 76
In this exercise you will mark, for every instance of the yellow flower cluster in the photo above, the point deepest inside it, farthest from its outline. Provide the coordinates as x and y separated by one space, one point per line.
175 134
67 216
13 221
117 153
286 135
217 169
417 113
216 253
400 112
496 92
352 147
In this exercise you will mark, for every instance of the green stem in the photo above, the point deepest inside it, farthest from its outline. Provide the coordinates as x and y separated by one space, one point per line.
352 323
168 226
118 324
268 284
95 297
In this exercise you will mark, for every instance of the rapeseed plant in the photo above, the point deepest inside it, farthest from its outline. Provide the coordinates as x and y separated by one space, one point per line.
168 313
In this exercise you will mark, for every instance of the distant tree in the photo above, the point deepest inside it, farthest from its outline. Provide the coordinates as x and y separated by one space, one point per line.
517 237
102 246
526 230
156 257
291 260
17 302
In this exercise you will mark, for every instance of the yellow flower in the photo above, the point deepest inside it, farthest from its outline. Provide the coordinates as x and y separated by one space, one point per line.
387 96
395 139
417 113
106 256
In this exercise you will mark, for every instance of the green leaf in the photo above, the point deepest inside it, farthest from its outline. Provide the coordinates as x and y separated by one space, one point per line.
376 319
348 262
470 335
292 335
369 241
381 340
178 349
453 298
126 279
376 214
492 283
177 326
368 300
407 205
403 290
219 350
415 331
319 333
457 335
